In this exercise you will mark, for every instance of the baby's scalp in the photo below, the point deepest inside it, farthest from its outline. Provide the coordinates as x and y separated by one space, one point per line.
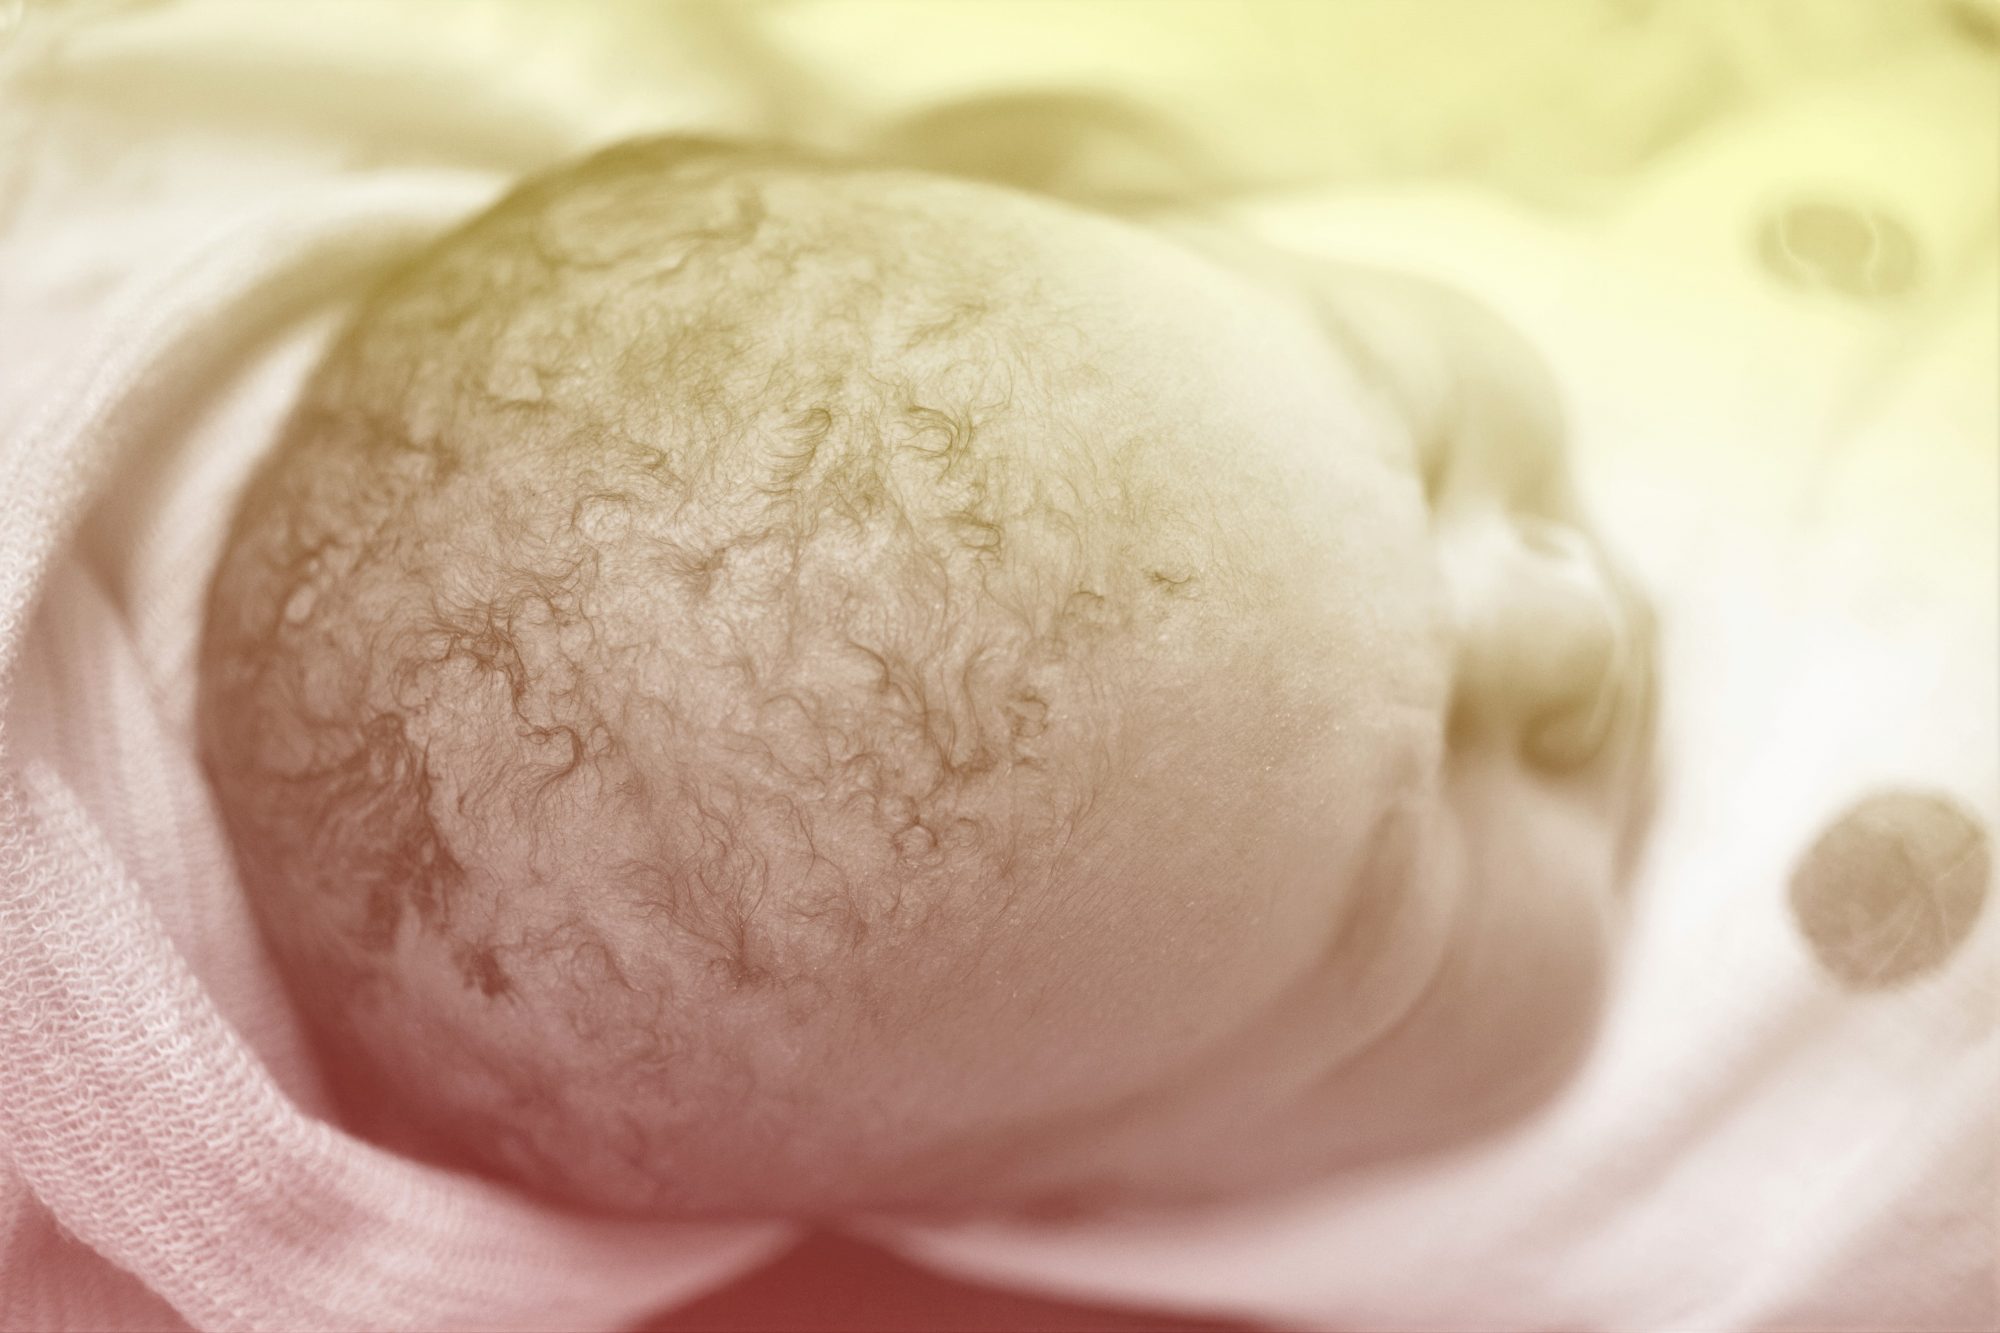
695 622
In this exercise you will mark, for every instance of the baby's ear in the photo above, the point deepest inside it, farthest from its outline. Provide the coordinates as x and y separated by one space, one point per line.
1544 621
1546 636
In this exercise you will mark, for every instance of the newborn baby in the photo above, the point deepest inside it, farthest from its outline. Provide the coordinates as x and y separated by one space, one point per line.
757 685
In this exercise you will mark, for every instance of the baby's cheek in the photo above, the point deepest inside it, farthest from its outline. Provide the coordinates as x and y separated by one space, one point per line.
1542 916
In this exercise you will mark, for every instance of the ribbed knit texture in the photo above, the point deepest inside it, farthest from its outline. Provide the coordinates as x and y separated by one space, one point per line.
166 281
143 1133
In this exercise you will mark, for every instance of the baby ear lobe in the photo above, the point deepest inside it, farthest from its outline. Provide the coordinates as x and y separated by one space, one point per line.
1540 634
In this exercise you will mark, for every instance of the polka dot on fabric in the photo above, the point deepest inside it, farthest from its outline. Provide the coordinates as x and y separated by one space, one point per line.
1860 252
1892 888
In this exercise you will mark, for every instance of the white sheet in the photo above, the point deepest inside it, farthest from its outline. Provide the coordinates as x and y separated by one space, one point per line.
1812 486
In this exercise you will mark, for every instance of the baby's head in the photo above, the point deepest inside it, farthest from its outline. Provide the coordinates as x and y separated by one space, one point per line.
758 685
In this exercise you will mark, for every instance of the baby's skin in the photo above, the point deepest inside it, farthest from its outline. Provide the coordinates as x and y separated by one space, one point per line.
760 686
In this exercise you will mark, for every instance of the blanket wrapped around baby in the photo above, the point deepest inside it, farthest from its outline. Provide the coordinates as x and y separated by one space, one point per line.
1757 1142
165 1156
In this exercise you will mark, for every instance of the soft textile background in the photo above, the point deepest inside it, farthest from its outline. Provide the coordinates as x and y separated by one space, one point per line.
1794 432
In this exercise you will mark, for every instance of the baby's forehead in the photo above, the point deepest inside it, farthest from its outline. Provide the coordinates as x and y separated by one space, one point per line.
741 584
691 463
